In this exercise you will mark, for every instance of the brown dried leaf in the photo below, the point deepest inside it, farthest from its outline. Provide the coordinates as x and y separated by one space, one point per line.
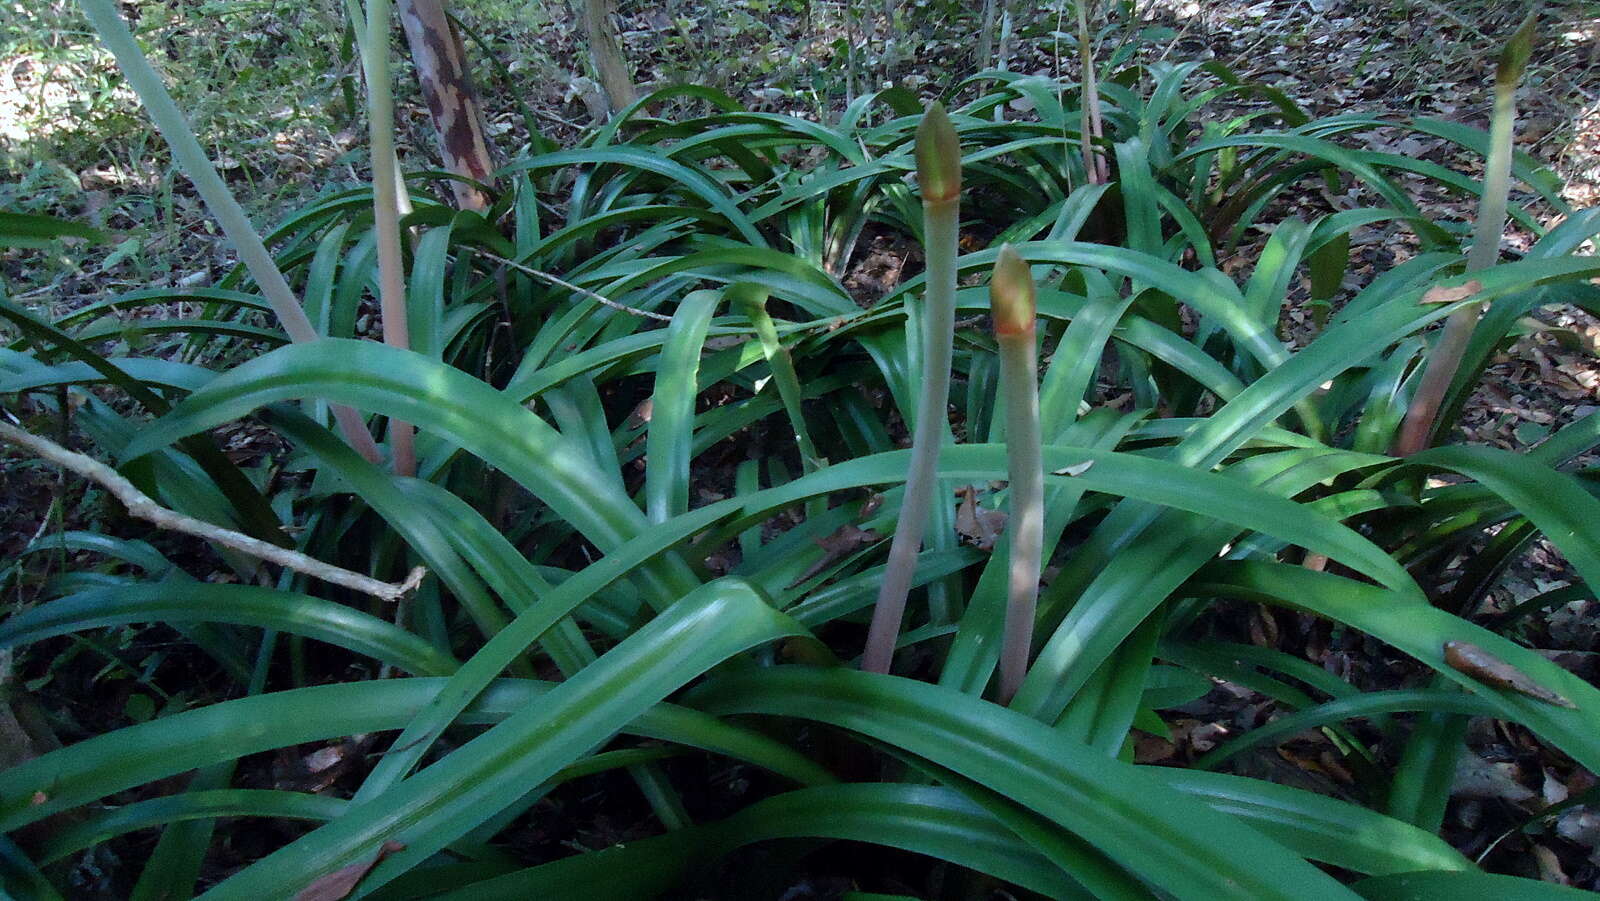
341 882
1491 670
1152 749
845 540
980 526
640 415
1441 294
871 505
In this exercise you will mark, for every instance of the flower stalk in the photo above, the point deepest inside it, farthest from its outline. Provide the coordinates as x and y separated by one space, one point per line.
192 159
1418 429
1011 294
938 153
386 211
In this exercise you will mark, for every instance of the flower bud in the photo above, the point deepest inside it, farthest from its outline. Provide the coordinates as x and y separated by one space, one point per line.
938 156
1011 295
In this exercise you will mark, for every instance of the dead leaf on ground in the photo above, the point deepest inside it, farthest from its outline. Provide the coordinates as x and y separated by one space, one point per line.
847 539
341 882
1491 670
871 505
1441 294
980 526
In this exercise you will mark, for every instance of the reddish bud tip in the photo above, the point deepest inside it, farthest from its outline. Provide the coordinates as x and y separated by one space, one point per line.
1011 295
938 156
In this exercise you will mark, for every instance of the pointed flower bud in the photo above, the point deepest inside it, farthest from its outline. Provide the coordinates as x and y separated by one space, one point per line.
1011 295
1514 56
938 156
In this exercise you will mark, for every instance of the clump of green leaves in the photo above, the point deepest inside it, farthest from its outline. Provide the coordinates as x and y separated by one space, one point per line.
671 291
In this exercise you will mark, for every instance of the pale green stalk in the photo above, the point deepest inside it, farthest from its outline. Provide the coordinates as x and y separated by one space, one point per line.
1012 295
357 17
939 176
386 211
191 157
1417 430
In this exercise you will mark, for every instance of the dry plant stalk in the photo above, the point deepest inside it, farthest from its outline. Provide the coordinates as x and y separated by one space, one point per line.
192 159
386 212
1417 431
446 83
144 507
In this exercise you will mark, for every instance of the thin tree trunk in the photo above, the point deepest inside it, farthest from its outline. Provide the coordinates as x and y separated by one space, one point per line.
606 53
446 85
986 34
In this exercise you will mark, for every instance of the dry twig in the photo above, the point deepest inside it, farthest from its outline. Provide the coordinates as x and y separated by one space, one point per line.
545 276
142 506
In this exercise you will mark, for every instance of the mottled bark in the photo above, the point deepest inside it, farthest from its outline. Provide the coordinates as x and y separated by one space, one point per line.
447 87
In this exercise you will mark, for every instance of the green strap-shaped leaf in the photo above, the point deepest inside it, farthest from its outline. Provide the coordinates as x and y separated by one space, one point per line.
924 819
189 602
1171 841
33 230
412 388
443 802
668 443
1458 886
1321 828
1421 631
175 744
1553 500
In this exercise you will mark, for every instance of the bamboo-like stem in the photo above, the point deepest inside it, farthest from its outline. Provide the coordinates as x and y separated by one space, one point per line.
1417 429
358 25
1015 329
386 211
142 506
191 157
939 175
1094 162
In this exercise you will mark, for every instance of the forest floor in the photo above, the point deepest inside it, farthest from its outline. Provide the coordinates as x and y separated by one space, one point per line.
269 86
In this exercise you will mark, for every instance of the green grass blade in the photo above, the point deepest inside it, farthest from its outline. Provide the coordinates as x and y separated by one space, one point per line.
1178 845
444 801
186 602
667 444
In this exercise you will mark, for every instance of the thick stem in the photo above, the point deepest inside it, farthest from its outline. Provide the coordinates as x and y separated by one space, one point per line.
191 157
1019 381
606 53
938 330
446 85
385 211
1418 428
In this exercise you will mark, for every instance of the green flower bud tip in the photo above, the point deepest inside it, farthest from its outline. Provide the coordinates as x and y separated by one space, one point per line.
938 156
1011 295
1514 57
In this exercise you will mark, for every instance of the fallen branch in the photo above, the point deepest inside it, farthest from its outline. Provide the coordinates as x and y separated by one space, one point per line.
560 283
142 506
